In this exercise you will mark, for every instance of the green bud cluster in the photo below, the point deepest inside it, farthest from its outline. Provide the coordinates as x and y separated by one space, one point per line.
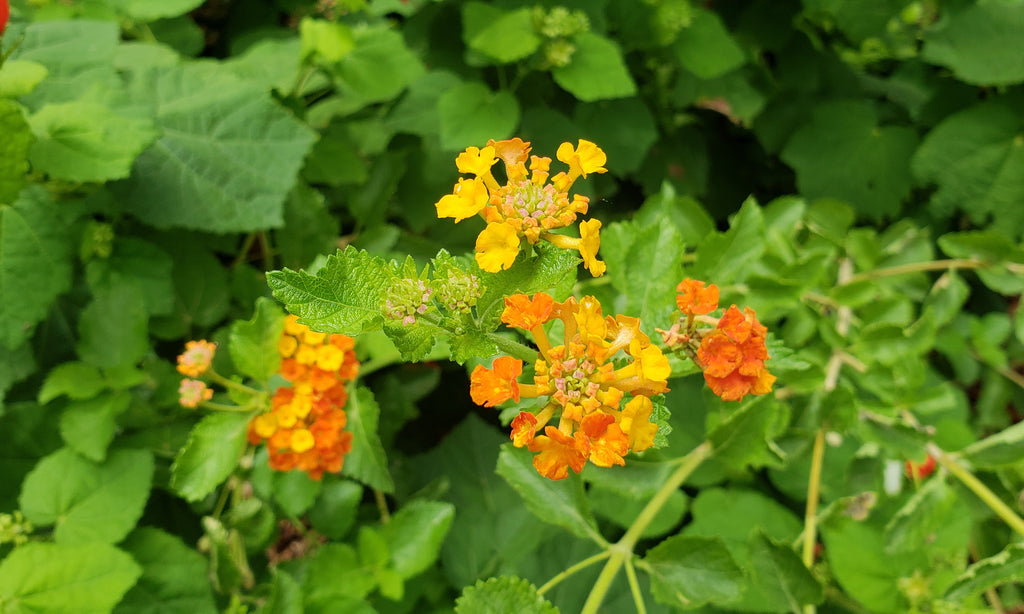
458 291
560 22
14 529
406 299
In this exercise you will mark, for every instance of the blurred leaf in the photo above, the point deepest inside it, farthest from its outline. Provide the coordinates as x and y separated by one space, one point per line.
170 570
947 297
993 248
88 427
417 112
1004 449
56 578
787 574
691 571
210 455
324 41
706 48
89 503
920 517
295 491
379 67
502 595
20 77
622 509
15 365
285 595
35 263
77 380
976 42
86 141
509 37
597 70
140 263
628 139
78 54
201 289
470 114
151 10
366 462
723 256
113 327
415 534
14 149
334 573
562 502
334 511
1007 567
253 344
741 438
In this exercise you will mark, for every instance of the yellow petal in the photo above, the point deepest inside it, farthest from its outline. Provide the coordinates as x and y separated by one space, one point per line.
468 199
476 161
497 247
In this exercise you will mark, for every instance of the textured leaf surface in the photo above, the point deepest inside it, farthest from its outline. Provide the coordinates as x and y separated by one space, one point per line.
13 151
1004 568
979 43
470 114
706 48
35 263
88 502
169 576
690 571
645 264
366 462
253 344
527 275
78 55
597 70
210 455
113 328
227 156
56 578
503 595
415 534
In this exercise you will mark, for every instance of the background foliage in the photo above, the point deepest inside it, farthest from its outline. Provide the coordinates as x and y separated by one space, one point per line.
851 170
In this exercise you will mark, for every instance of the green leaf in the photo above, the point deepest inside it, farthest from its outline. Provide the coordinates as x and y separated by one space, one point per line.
896 434
285 595
151 10
170 576
139 263
820 151
334 511
35 263
977 43
920 517
725 257
470 114
88 427
336 572
526 275
113 328
993 248
627 140
623 510
14 150
415 534
417 111
77 380
1007 567
20 77
509 37
309 228
366 462
690 571
561 503
645 265
786 571
706 48
345 296
15 365
597 70
378 68
295 491
253 344
88 502
79 56
976 158
1004 449
227 155
201 290
502 595
85 141
742 437
325 41
210 455
42 578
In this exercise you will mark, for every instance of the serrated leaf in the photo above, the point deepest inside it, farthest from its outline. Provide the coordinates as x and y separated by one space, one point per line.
561 502
253 344
414 341
526 275
77 380
645 265
89 503
1004 449
470 114
724 257
509 37
227 155
35 263
113 328
977 42
597 70
415 534
838 132
742 437
14 149
1004 568
210 454
86 141
345 296
502 595
40 578
366 462
88 427
705 47
690 571
170 570
791 577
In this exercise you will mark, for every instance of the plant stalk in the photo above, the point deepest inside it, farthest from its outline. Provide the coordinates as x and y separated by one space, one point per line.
990 499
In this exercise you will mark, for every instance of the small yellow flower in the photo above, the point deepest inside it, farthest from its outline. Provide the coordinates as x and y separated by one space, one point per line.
590 242
497 247
584 159
469 198
476 161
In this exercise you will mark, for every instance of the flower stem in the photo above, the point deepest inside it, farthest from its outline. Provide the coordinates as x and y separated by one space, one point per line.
917 267
230 383
565 573
634 587
990 499
811 513
513 348
382 506
622 551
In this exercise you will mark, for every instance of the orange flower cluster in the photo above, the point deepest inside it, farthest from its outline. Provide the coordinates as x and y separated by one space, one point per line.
304 427
527 206
583 388
733 353
192 363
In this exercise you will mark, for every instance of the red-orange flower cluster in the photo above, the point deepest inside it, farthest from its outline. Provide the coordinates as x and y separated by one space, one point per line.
583 388
304 427
733 354
920 471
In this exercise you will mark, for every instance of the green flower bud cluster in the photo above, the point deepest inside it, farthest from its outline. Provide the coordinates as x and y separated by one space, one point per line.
458 291
14 529
406 299
558 25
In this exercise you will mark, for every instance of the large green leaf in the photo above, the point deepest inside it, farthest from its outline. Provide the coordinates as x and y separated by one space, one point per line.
743 435
253 344
502 595
227 156
88 502
597 70
112 328
378 68
691 571
920 517
1004 568
842 152
979 43
151 10
88 427
470 114
976 160
15 365
79 56
415 534
507 37
345 296
1004 449
210 455
42 578
561 503
366 462
14 151
139 263
86 141
705 47
172 576
35 263
20 77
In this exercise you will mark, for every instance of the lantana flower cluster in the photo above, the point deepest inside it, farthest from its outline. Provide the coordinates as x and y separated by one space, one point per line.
193 363
304 428
530 205
582 417
731 352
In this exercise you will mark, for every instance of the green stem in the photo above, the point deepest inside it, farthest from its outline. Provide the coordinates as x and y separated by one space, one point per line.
623 549
977 487
811 513
382 505
513 348
587 562
223 407
918 267
634 587
243 252
229 383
